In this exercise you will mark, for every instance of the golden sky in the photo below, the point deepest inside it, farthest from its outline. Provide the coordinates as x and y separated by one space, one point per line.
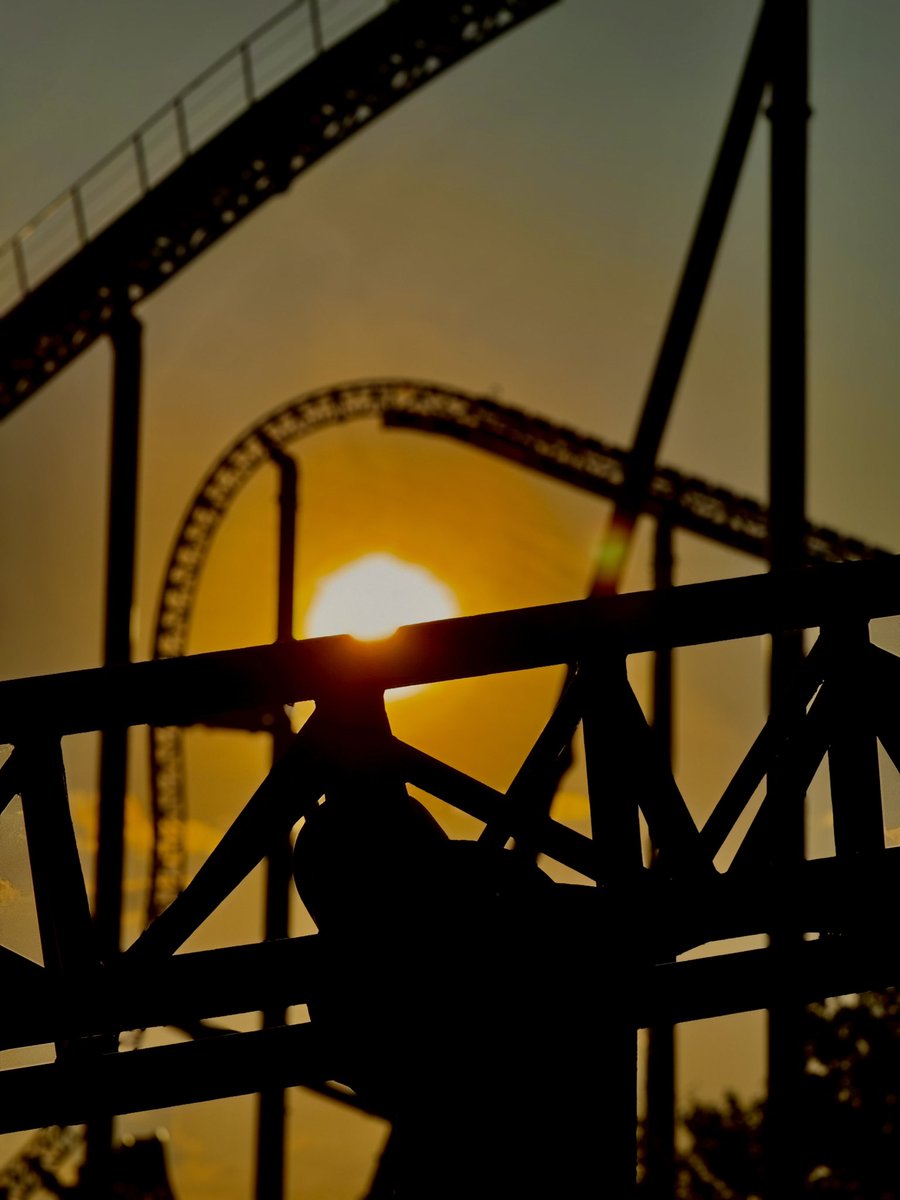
515 228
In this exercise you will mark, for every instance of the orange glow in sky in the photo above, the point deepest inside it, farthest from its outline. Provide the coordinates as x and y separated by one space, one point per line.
374 595
467 237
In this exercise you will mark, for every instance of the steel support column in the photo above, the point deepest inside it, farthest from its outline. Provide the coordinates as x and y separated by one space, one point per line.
120 569
659 1122
616 834
271 1111
789 114
126 337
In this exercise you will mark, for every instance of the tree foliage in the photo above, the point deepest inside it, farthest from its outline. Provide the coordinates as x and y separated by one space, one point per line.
848 1124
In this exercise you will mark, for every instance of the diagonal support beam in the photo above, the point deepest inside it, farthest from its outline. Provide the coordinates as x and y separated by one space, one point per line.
471 796
796 768
342 738
671 826
749 775
233 1065
294 784
532 790
685 312
64 919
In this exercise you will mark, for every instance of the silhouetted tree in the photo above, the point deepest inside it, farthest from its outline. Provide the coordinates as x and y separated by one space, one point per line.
848 1124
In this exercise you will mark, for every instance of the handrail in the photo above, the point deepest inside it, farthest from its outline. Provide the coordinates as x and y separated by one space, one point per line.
24 263
220 149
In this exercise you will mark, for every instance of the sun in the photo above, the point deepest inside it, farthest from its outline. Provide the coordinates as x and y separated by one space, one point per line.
374 595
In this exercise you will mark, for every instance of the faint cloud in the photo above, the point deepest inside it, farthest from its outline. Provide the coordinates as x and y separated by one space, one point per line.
198 836
84 818
9 893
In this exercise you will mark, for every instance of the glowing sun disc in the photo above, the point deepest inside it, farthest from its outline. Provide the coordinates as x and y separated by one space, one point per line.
371 597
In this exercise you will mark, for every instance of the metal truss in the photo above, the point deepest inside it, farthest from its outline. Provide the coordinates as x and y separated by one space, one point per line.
838 701
573 457
276 137
843 701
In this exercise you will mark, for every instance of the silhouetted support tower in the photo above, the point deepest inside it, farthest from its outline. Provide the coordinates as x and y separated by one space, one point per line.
657 408
685 313
778 56
659 1126
271 1111
121 554
788 113
126 340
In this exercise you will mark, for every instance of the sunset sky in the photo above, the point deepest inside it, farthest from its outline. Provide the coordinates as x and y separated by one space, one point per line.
516 229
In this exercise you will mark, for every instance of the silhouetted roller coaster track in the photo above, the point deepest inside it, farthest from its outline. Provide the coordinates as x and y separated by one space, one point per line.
296 88
259 117
225 144
579 459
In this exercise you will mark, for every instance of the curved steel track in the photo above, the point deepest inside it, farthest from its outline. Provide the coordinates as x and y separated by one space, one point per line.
180 206
555 450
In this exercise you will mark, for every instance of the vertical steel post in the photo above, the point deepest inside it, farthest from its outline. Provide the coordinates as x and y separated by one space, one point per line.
60 897
659 1122
789 113
120 569
271 1111
616 834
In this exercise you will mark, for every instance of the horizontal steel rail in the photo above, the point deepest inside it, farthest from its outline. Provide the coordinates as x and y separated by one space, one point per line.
684 904
828 896
186 690
70 1092
531 441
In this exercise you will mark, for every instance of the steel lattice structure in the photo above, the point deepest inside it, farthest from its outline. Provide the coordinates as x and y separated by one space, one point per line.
347 66
337 90
845 699
836 702
534 442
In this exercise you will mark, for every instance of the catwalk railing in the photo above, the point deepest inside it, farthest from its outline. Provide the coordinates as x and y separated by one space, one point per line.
844 702
217 96
241 132
571 456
